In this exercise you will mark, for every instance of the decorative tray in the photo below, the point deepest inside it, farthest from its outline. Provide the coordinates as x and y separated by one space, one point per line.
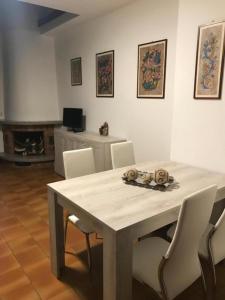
159 180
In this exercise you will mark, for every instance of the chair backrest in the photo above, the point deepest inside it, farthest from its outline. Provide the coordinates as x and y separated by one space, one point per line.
217 241
122 154
181 265
78 162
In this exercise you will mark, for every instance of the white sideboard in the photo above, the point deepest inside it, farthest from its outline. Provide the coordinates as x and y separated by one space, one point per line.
68 140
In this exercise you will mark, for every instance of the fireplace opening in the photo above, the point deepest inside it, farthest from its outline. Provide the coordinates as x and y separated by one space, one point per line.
29 143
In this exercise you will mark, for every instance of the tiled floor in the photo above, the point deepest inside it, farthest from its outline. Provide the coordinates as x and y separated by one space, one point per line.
24 246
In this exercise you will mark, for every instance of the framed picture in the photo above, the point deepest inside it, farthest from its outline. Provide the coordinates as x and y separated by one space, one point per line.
76 71
105 74
151 69
209 61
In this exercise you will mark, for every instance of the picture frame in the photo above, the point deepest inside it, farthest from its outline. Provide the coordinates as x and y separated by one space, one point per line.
209 61
151 71
76 71
105 74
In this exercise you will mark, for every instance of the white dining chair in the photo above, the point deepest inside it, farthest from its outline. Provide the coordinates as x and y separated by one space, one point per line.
212 251
169 268
79 163
122 154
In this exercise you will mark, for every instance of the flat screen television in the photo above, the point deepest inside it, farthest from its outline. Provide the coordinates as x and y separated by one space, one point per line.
73 119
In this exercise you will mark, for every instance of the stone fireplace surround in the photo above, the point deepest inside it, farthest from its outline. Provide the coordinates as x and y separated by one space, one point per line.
11 129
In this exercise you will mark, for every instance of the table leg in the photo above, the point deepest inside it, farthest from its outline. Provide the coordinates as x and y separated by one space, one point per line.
56 228
117 265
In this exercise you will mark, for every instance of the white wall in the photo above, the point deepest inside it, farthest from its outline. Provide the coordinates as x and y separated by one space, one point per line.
1 77
30 69
198 125
147 122
1 89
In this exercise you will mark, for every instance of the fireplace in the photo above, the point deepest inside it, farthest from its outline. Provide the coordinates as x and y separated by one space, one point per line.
28 141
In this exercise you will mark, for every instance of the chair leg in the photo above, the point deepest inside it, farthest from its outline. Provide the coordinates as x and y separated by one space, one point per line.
208 278
87 236
65 233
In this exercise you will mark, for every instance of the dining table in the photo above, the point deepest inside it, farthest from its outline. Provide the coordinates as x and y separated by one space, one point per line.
122 213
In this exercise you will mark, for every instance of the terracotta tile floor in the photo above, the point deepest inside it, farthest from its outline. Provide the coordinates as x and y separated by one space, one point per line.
24 246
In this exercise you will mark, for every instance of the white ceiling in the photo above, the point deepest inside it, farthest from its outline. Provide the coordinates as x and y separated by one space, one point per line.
86 9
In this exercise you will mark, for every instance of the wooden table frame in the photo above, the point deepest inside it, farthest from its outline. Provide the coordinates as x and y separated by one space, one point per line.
119 232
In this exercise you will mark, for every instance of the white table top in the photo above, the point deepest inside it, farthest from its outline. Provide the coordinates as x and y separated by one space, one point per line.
118 205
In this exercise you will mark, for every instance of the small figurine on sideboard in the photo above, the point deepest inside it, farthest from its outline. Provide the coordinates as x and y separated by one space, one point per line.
104 129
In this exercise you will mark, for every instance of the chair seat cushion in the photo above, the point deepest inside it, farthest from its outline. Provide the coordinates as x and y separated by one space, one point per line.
76 221
147 256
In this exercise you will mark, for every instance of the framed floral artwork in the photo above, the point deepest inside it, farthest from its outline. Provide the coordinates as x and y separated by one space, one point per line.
76 71
209 61
151 69
105 74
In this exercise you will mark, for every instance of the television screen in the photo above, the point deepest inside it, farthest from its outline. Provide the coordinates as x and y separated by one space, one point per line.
72 118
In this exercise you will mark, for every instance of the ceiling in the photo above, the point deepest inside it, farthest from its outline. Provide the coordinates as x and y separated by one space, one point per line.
86 9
